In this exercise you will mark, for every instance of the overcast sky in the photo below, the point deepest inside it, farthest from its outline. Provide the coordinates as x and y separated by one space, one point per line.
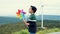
10 7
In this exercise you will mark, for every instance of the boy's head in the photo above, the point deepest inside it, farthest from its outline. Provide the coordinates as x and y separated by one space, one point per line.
32 9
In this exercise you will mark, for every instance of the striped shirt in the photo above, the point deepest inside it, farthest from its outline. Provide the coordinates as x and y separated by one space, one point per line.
32 17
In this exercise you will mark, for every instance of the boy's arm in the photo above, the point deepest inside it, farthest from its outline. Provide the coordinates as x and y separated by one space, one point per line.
26 23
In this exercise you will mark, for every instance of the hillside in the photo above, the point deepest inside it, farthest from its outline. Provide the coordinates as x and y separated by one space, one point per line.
49 17
7 20
19 27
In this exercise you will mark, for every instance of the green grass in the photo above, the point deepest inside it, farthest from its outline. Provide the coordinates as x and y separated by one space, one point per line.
24 31
49 31
20 28
45 31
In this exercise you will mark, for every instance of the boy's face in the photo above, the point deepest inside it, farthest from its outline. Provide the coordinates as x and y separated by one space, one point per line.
30 10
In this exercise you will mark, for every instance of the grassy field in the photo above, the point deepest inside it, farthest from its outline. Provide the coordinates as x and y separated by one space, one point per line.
45 31
20 28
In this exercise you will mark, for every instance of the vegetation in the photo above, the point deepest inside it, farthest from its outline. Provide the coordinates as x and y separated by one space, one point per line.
20 28
45 31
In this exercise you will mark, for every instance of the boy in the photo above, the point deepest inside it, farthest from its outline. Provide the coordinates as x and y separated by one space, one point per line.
31 22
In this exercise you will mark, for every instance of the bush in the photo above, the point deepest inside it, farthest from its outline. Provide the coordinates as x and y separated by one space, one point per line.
22 32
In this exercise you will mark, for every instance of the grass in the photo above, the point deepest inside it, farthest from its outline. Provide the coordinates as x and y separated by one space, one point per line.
49 31
45 31
20 28
24 31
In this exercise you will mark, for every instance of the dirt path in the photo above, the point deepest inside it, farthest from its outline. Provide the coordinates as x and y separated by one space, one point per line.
54 33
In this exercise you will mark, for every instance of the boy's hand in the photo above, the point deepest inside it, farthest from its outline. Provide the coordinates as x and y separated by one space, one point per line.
27 24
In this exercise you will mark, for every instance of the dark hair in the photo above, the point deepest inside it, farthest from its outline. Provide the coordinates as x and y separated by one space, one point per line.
34 9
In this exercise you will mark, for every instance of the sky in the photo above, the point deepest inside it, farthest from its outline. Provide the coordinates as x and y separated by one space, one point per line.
10 7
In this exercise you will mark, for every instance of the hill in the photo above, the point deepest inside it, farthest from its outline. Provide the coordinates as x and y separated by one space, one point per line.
7 20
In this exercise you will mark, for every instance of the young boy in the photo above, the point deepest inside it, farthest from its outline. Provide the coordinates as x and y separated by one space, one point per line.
31 22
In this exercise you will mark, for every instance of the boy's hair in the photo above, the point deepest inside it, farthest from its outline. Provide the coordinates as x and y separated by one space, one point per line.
34 9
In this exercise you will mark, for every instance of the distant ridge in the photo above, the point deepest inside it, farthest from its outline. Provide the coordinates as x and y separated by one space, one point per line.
49 17
5 19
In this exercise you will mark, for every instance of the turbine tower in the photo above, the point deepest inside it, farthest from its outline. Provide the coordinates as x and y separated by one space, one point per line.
42 16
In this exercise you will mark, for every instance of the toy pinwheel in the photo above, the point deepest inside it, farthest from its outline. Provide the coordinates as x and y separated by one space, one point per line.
21 14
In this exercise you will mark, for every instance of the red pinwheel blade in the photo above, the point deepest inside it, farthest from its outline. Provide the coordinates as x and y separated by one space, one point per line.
19 11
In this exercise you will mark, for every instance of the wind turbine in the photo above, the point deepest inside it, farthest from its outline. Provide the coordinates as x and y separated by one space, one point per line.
42 16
